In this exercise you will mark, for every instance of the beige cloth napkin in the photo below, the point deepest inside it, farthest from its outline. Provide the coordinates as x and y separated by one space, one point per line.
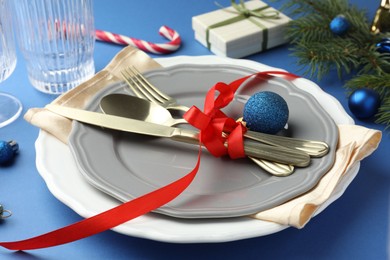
355 142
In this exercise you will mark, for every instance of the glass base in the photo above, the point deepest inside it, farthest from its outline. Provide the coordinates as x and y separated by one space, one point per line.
10 109
61 80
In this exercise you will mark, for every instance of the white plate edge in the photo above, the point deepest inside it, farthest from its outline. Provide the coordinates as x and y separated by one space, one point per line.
260 227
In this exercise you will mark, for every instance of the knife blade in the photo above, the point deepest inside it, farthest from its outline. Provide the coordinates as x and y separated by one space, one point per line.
257 150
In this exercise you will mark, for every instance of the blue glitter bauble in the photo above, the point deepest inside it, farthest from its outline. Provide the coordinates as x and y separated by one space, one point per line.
339 25
266 112
383 46
364 103
7 151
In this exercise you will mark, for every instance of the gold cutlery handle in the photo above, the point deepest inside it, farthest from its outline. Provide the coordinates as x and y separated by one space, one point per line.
313 148
257 150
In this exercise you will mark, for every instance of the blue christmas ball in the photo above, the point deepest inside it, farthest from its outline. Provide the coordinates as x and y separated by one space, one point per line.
266 112
383 46
364 103
339 25
7 151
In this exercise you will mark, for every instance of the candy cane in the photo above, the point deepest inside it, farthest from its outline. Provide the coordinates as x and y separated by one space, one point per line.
157 48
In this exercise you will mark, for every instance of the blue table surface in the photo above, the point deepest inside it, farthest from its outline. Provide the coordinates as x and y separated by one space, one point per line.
353 227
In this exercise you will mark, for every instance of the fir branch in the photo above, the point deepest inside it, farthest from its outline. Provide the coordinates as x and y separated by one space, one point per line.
374 62
318 50
326 8
311 32
379 83
383 116
321 57
312 28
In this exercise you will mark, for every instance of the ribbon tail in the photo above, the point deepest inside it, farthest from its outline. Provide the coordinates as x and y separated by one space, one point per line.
110 218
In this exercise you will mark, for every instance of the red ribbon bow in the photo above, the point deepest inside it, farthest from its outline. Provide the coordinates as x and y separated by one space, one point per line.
213 122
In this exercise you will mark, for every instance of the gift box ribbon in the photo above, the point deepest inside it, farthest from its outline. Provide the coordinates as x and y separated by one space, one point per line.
245 13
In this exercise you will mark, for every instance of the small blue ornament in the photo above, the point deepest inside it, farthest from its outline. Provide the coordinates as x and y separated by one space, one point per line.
266 112
383 46
8 151
339 25
364 103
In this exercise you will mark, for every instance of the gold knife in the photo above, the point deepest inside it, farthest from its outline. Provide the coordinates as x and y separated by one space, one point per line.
257 150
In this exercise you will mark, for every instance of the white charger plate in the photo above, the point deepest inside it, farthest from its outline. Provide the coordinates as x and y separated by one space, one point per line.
58 168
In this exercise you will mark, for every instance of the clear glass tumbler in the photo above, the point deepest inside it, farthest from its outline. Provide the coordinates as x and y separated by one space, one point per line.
57 39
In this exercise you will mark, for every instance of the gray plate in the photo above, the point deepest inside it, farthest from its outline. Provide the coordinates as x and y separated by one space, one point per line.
126 165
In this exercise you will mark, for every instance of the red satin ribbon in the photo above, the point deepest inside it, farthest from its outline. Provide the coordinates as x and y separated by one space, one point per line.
212 118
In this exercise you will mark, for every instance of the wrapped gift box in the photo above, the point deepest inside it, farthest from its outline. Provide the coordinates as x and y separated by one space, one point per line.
243 37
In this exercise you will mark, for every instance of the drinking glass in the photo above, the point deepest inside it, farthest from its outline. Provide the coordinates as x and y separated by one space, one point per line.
10 107
57 40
